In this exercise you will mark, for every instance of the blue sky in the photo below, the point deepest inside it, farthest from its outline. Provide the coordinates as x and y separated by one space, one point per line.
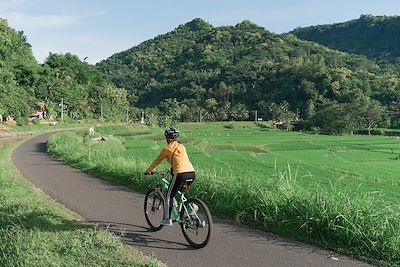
98 28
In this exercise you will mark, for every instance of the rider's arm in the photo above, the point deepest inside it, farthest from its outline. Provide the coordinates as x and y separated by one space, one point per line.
164 153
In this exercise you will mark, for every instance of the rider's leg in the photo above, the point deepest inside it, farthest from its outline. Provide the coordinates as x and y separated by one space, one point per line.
185 178
172 190
168 199
176 184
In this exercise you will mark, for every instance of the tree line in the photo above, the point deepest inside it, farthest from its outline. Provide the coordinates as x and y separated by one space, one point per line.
86 92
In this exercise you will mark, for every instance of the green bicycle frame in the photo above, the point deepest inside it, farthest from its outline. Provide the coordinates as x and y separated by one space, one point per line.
180 198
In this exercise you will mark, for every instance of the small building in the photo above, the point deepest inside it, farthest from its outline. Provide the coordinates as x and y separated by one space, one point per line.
38 113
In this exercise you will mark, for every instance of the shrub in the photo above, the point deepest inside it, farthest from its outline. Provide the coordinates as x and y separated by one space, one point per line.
20 121
229 126
36 121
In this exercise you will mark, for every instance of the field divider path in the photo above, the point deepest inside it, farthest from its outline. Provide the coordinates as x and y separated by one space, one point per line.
120 210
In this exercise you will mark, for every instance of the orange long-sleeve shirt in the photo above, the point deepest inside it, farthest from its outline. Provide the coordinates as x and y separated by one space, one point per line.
176 155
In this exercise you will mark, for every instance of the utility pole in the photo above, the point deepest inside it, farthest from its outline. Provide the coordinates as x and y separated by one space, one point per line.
62 109
200 115
127 114
142 118
101 112
255 116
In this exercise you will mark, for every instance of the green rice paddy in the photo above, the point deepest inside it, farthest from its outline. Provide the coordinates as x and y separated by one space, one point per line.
364 163
339 192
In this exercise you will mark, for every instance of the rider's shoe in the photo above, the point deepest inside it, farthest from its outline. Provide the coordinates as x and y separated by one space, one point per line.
167 222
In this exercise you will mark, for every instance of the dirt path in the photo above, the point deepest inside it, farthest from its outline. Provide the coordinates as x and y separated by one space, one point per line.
121 211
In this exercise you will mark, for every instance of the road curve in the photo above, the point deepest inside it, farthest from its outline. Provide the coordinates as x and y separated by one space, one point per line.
121 211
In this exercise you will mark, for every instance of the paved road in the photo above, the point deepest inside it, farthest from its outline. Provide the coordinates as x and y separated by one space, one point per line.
121 211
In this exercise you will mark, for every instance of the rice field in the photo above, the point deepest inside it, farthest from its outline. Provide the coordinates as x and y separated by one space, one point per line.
339 192
364 163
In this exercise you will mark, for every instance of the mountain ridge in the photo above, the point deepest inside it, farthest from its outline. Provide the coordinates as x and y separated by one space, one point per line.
222 70
377 37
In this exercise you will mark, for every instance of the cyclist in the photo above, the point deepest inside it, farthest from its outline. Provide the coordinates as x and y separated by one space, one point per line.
181 169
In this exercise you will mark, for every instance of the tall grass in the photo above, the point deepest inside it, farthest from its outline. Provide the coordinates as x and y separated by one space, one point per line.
360 224
352 222
36 231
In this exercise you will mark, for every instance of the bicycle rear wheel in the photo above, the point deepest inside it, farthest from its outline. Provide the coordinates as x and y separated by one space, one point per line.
196 224
154 209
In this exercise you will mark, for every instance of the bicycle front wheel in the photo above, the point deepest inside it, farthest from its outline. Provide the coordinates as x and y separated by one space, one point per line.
154 209
196 223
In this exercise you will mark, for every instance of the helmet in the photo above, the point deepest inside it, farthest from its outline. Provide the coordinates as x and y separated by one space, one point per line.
171 133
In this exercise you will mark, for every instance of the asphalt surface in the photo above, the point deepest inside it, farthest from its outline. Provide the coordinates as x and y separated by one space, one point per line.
120 210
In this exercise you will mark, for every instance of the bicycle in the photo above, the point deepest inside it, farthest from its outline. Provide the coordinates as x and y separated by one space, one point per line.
192 214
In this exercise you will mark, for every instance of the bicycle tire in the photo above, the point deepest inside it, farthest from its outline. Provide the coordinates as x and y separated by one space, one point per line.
151 198
197 224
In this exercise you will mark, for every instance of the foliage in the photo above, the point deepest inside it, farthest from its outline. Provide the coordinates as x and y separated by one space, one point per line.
198 72
21 121
85 91
373 36
36 121
225 73
18 71
23 82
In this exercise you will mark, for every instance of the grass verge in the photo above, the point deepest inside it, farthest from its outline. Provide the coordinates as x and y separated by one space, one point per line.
36 231
351 222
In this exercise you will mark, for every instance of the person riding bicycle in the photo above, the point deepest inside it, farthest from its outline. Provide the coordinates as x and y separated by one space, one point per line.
181 168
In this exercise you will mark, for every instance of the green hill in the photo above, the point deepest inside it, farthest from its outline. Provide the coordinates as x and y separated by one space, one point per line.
201 72
226 72
377 37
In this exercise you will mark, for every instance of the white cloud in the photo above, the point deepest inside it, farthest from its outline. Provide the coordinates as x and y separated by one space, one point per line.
26 21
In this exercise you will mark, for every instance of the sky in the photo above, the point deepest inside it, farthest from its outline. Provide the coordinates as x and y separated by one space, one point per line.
97 29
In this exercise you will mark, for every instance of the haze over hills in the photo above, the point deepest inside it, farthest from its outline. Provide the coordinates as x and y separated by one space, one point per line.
377 37
222 72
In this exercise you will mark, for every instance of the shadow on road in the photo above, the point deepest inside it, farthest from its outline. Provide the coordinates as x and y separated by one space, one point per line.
139 236
41 147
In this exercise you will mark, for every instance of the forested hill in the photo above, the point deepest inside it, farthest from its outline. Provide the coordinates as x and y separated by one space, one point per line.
377 37
226 72
25 84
